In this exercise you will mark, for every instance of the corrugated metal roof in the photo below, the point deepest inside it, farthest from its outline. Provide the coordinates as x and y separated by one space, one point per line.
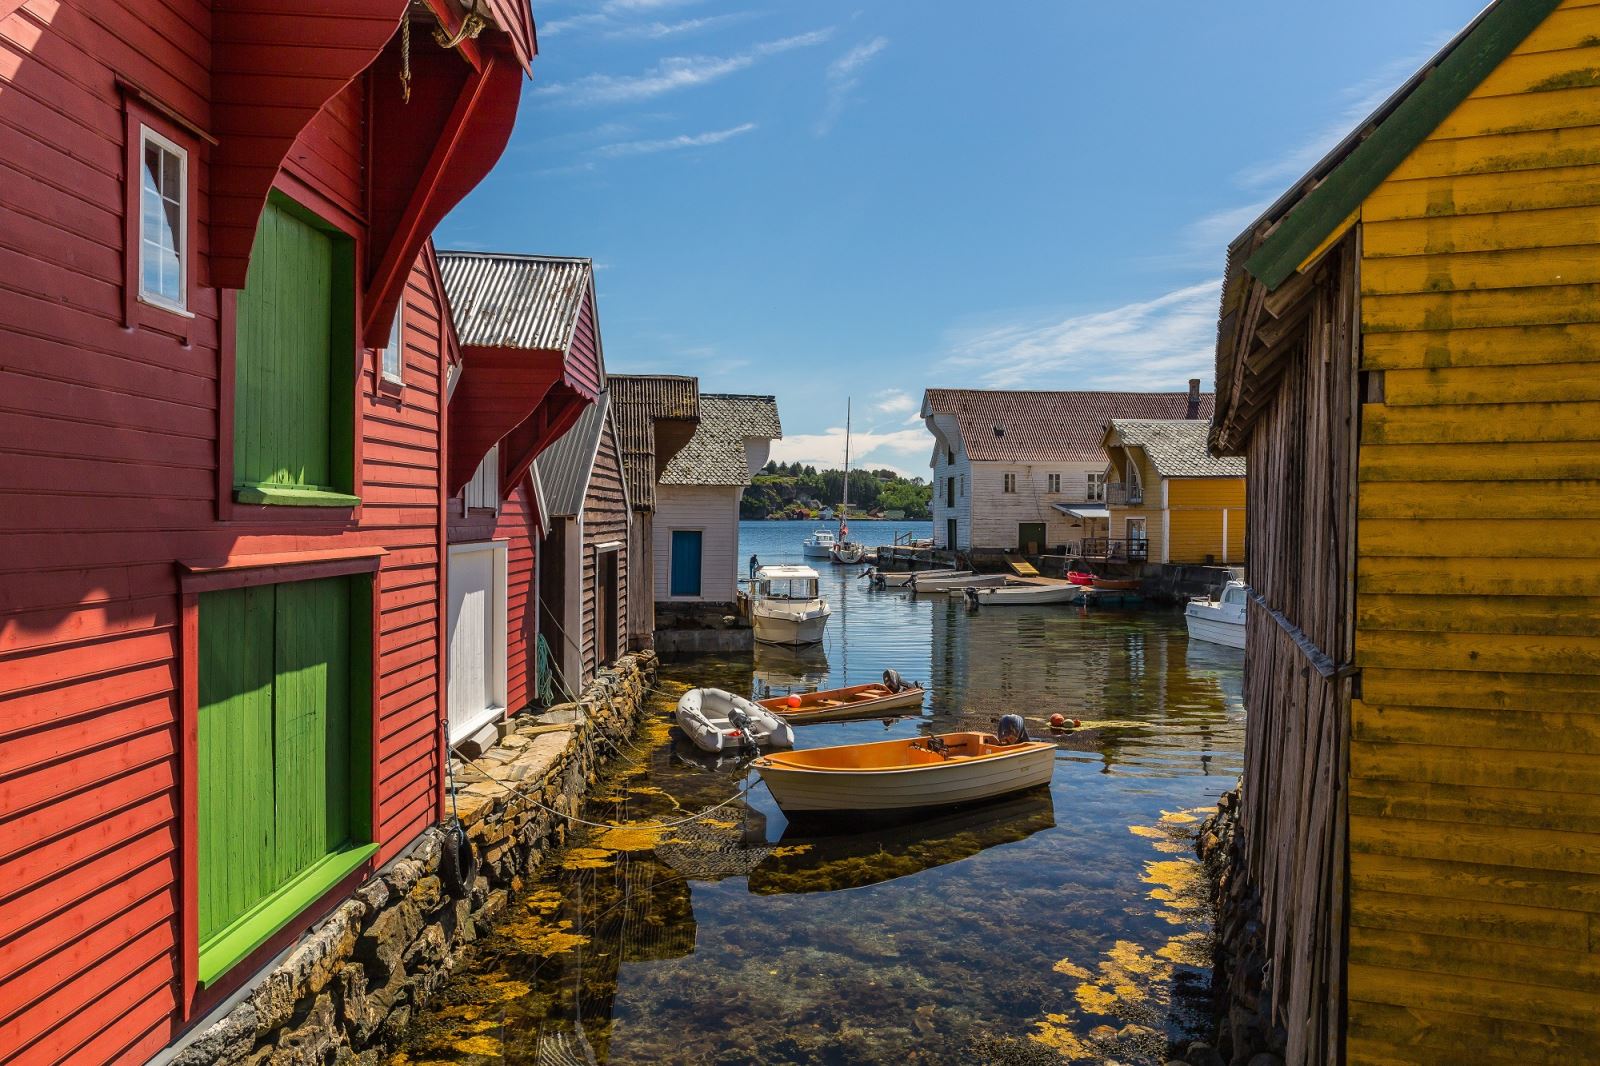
1176 447
715 455
498 300
564 467
638 403
1002 426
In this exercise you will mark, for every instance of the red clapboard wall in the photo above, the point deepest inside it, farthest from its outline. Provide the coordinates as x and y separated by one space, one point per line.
114 440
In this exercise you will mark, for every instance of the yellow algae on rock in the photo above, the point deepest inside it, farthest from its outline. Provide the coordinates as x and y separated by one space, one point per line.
1055 1033
790 849
486 1046
1127 957
589 859
1147 831
1071 969
630 838
1094 999
1177 818
1187 949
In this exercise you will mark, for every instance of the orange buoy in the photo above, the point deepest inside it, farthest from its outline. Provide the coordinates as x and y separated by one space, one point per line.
1058 720
793 700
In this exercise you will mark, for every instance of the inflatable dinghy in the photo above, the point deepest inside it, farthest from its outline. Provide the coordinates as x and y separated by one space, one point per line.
720 721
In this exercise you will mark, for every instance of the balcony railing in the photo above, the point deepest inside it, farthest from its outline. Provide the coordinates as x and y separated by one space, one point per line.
1131 551
1120 494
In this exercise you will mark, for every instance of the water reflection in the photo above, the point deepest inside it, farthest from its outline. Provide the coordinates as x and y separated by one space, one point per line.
1067 922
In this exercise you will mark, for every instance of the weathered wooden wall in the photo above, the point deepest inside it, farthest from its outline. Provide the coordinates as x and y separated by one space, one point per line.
713 509
1475 758
1292 819
605 521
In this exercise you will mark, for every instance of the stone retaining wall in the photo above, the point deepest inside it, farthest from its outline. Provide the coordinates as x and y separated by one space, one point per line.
348 989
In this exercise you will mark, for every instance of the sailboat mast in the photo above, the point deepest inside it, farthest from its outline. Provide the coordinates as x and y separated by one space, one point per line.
844 507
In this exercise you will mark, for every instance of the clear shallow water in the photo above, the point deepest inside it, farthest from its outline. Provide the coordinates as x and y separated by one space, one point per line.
1066 924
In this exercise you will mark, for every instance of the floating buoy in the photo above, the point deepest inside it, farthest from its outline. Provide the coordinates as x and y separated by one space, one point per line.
792 701
1058 720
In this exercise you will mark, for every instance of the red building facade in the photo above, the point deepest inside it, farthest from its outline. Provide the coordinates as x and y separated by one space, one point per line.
223 508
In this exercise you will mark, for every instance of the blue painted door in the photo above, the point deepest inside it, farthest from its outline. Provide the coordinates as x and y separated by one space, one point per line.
685 562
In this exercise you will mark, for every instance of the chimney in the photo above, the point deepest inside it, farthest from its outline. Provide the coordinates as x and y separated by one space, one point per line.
1194 398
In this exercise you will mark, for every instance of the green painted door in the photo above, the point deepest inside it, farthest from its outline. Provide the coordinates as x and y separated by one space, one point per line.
277 756
1030 538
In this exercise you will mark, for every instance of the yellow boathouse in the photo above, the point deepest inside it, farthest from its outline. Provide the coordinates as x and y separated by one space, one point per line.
1409 356
1164 487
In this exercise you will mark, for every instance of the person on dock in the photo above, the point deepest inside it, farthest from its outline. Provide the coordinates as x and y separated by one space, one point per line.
755 564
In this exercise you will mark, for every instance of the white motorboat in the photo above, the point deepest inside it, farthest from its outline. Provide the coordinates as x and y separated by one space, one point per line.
819 545
959 579
880 579
1219 621
717 720
785 606
934 771
1020 594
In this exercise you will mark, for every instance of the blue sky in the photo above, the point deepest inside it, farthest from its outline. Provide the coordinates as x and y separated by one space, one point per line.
829 199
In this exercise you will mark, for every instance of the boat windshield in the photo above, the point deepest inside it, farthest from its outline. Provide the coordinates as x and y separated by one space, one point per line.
1233 595
791 588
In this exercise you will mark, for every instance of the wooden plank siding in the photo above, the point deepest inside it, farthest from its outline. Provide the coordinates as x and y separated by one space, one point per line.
1474 772
605 521
109 442
517 524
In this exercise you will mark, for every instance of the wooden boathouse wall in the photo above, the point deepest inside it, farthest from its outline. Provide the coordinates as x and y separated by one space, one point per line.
605 532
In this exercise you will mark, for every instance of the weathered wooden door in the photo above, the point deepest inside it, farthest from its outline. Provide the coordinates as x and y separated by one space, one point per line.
1030 537
950 527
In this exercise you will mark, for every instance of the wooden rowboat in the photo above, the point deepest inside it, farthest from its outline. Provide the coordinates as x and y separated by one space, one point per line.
836 704
889 775
1117 584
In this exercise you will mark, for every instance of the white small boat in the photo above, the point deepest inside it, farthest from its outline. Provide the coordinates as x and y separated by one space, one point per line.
818 546
785 607
1020 594
889 775
1219 621
958 580
717 720
849 552
880 579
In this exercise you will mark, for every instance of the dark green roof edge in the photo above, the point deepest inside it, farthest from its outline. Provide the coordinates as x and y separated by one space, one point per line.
1473 59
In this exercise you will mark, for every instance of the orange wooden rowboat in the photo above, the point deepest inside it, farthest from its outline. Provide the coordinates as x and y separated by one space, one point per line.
837 704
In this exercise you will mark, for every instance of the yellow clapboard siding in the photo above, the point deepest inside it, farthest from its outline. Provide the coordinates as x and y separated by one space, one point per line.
1468 271
1536 150
1572 25
1516 461
1383 423
1562 227
1483 194
1193 534
1571 1008
1238 519
1465 957
1475 882
1543 71
1482 767
1205 492
1484 347
1486 538
1490 385
1556 654
1527 730
1478 920
1572 812
1491 690
1416 1037
1474 499
1469 310
1509 614
1487 116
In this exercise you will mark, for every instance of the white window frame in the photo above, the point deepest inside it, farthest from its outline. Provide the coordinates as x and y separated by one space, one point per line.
483 491
1008 483
148 136
1095 488
495 651
395 347
1053 483
963 491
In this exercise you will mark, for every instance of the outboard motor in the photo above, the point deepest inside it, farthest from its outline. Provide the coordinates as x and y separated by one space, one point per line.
893 682
741 721
970 595
1011 729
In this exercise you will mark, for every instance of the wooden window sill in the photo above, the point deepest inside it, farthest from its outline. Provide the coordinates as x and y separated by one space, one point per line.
230 946
293 496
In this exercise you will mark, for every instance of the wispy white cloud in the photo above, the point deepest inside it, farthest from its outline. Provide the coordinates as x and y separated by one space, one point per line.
670 144
1203 243
604 14
1153 344
905 451
896 402
673 73
842 79
657 30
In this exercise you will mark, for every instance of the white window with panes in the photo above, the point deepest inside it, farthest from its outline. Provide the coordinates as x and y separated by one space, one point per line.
163 222
483 491
1097 487
1008 483
1053 483
394 352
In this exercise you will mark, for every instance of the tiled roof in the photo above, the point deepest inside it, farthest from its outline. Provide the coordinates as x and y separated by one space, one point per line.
565 466
999 426
498 300
715 455
654 416
1177 448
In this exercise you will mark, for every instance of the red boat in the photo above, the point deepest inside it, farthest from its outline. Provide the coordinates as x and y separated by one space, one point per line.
1079 577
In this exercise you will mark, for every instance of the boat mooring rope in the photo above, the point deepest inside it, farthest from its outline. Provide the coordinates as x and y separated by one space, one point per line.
608 825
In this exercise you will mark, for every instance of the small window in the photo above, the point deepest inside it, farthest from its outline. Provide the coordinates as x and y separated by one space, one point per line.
163 221
950 457
1097 487
963 484
483 491
1010 483
394 353
1054 482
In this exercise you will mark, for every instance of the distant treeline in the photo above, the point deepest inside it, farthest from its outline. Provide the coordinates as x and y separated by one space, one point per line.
789 490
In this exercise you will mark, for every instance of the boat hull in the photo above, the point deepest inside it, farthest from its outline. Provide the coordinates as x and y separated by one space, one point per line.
1022 595
703 714
956 581
899 580
816 551
798 788
1209 625
789 632
844 709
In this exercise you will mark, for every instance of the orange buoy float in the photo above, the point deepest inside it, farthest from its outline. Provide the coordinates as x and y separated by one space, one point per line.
793 700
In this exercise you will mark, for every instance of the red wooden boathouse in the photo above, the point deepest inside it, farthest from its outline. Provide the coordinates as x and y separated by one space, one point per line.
224 478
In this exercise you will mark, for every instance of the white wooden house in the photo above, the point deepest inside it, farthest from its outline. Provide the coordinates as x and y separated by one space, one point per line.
1025 471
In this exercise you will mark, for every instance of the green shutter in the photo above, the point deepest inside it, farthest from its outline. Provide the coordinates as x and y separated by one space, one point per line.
284 787
293 350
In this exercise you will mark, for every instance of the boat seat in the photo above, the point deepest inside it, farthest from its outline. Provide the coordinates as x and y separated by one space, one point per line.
957 758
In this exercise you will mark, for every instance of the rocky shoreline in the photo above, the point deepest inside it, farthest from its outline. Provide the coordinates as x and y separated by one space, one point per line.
348 989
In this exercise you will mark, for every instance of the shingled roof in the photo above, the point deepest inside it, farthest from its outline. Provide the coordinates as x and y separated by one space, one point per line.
655 416
1001 426
499 300
1176 447
715 455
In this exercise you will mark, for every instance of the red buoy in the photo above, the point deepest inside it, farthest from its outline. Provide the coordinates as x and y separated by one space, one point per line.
793 700
1058 720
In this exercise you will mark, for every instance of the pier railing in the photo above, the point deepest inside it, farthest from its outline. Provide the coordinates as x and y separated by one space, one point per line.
1132 551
